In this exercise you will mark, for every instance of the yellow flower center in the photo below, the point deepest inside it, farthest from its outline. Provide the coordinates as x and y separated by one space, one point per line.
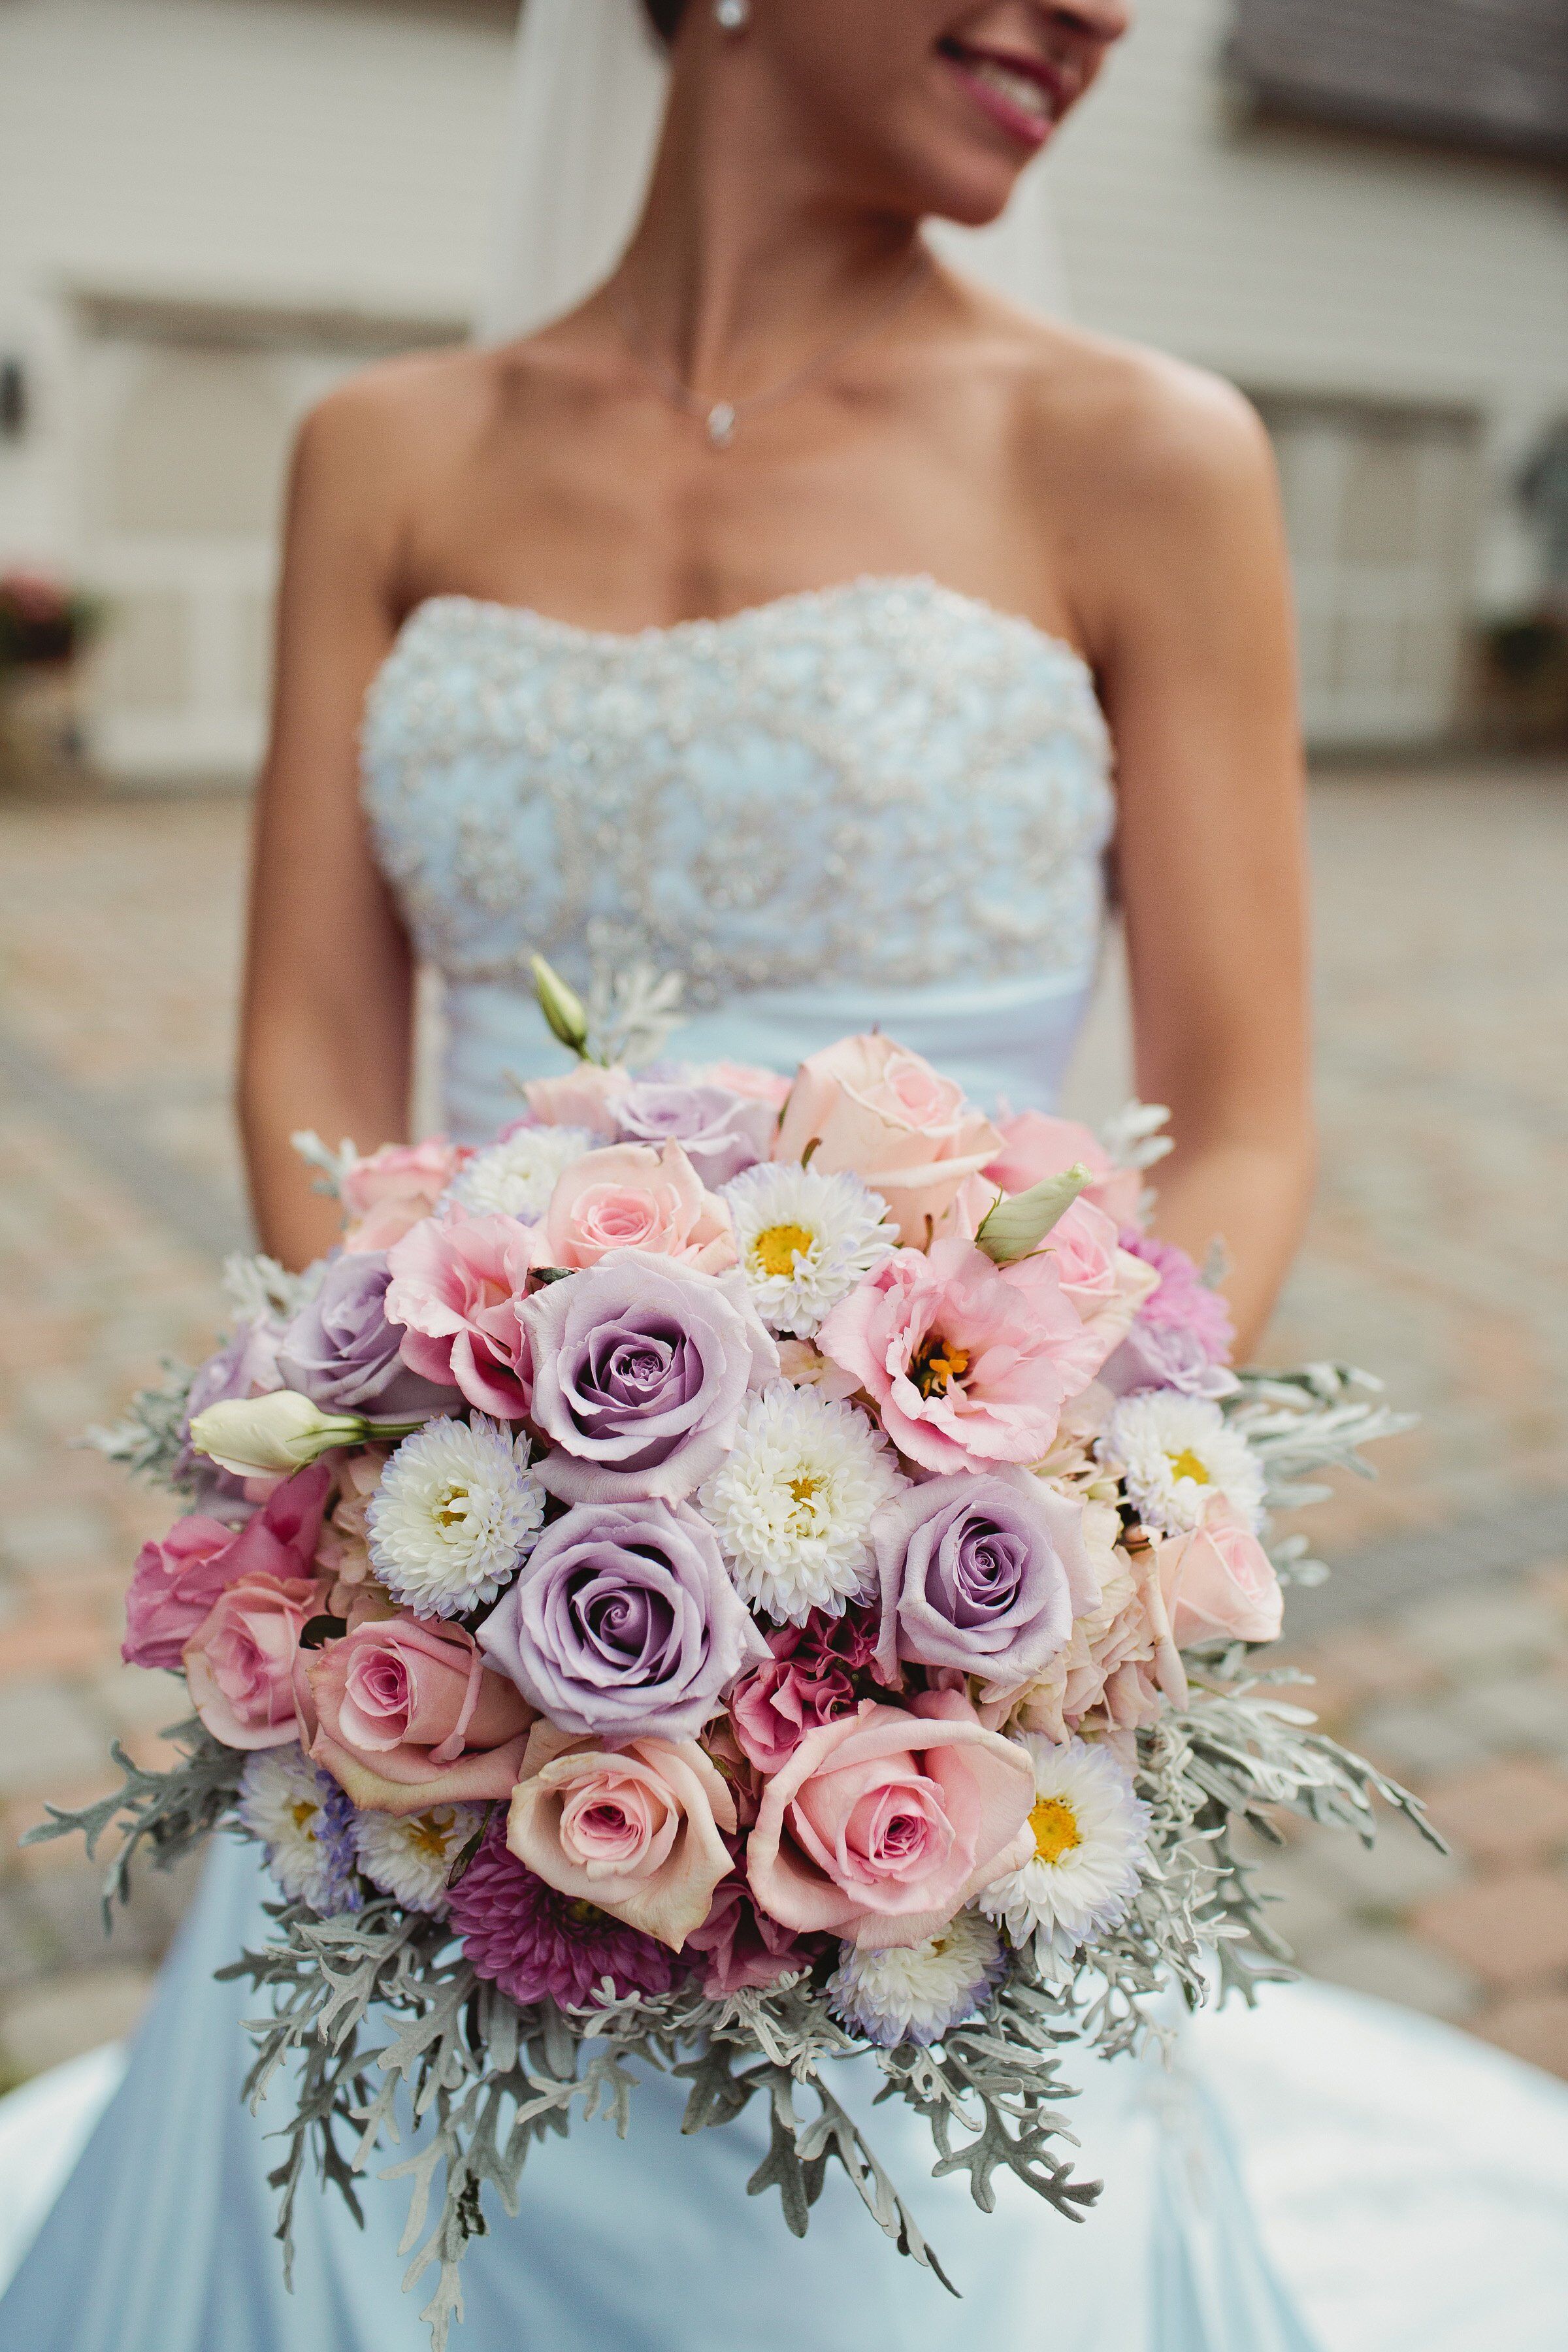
1185 1464
428 1835
937 1366
806 1490
776 1249
304 1812
585 1915
1055 1828
453 1513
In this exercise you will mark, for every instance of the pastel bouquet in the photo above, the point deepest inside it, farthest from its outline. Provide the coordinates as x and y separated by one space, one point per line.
740 1574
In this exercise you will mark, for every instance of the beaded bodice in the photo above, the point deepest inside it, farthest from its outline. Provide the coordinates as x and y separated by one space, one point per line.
882 786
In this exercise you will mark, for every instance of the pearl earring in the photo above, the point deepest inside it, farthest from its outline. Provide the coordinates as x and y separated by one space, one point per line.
732 15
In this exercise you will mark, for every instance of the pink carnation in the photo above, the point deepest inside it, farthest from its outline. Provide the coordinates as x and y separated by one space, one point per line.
966 1362
745 1949
456 1287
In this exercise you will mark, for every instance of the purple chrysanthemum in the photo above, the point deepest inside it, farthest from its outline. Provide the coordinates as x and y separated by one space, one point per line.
1183 1301
538 1945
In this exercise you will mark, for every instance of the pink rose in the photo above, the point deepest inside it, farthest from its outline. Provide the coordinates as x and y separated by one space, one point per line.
635 1830
388 1192
967 1363
868 1107
1219 1583
239 1664
408 1715
747 1078
631 1196
880 1827
1036 1147
586 1097
456 1287
177 1581
1106 1283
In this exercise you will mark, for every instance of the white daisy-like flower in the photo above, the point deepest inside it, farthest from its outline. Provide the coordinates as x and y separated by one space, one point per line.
301 1816
1091 1836
1176 1452
410 1854
920 1993
457 1510
804 1240
794 1503
515 1178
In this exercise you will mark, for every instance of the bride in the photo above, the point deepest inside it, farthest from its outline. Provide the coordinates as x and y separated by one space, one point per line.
790 556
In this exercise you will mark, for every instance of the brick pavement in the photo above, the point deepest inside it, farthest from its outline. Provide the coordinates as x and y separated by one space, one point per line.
1442 1645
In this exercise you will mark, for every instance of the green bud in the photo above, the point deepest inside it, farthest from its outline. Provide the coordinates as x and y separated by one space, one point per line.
561 1007
271 1436
1015 1228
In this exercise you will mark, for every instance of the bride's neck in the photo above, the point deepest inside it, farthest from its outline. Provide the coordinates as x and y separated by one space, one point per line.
748 255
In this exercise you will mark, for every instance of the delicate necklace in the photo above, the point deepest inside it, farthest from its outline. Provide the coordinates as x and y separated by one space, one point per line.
721 418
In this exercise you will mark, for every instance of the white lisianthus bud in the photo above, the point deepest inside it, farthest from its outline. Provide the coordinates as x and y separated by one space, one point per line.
1016 1227
267 1437
561 1007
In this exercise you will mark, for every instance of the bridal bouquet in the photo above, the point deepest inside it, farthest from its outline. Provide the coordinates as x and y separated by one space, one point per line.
736 1574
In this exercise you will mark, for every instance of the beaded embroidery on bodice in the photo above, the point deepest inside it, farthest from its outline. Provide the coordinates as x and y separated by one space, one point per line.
886 784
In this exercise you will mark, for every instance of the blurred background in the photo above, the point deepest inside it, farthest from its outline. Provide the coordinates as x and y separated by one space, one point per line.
1358 210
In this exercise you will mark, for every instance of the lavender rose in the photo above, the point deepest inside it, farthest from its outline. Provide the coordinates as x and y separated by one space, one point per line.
340 1351
720 1131
641 1367
983 1574
624 1624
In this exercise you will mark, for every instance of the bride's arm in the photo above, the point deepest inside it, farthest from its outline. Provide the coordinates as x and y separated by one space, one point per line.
326 1041
1198 672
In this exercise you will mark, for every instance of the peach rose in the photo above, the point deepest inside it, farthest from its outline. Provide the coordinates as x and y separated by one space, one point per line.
631 1196
239 1664
586 1097
1121 1668
636 1831
1219 1583
1036 1147
881 1825
871 1109
386 1195
408 1715
1107 1284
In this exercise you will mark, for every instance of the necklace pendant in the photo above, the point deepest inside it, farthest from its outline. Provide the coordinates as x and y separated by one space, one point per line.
722 423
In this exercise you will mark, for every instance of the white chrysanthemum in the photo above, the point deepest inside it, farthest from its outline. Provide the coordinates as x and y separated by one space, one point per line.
286 1803
515 1178
1091 1836
805 1239
457 1509
1175 1453
920 1993
792 1504
410 1855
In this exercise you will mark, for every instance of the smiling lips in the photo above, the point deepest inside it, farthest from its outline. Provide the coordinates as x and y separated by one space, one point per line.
1025 95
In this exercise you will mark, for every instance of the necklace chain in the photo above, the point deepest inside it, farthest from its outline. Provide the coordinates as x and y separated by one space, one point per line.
722 418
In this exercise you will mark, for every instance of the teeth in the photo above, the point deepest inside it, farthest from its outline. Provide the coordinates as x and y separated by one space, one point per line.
1018 89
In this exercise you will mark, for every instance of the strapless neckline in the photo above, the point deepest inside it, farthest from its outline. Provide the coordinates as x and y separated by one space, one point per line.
704 628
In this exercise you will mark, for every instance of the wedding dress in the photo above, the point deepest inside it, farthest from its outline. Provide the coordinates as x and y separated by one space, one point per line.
881 802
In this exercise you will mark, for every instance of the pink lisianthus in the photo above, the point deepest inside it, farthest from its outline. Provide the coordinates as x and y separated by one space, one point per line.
456 1287
387 1193
966 1362
1106 1283
743 1949
178 1580
586 1097
1218 1582
747 1078
631 1196
870 1109
1036 1147
636 1830
880 1827
240 1663
408 1717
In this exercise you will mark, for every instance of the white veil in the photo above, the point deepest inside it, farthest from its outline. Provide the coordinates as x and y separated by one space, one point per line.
588 99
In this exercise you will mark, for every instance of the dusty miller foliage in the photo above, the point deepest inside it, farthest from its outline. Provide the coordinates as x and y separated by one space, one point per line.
384 2034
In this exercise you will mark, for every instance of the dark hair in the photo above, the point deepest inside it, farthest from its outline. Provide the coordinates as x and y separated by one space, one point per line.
665 16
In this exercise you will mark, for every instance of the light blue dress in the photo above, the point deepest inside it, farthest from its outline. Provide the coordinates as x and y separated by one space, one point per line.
884 804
